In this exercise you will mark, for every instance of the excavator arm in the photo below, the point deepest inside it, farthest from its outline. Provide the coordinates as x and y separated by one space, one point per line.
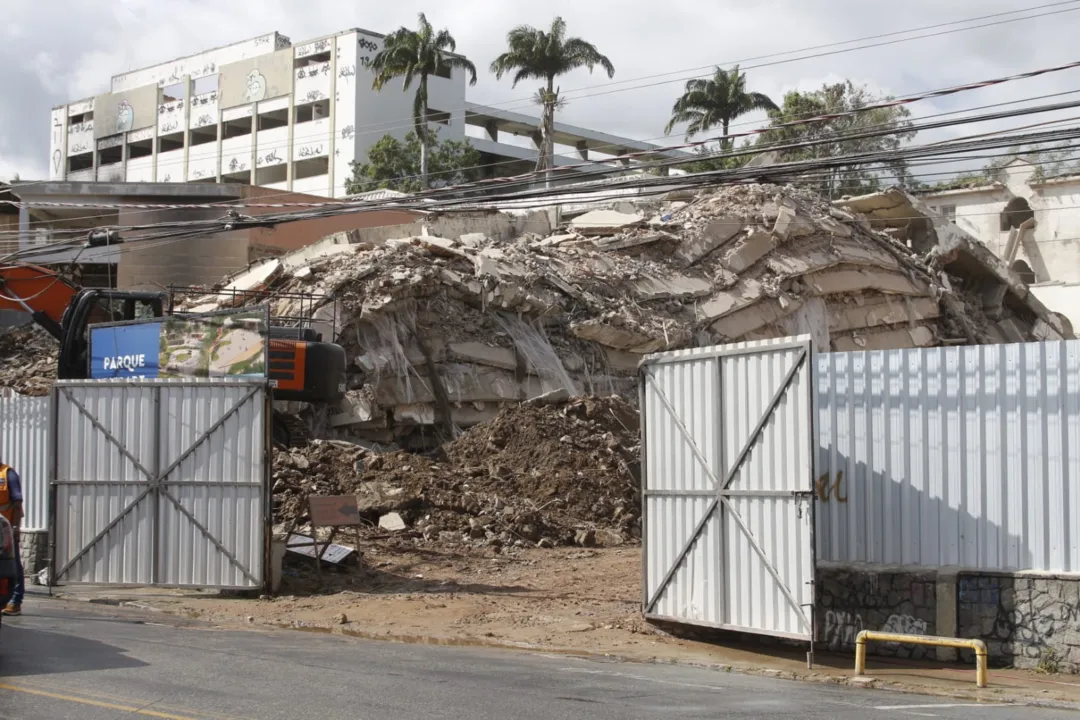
39 291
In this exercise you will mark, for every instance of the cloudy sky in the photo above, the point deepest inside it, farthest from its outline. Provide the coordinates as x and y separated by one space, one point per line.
57 51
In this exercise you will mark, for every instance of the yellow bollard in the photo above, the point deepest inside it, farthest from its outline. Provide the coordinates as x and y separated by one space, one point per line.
981 657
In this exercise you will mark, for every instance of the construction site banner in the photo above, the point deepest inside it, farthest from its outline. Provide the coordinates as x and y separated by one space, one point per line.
232 343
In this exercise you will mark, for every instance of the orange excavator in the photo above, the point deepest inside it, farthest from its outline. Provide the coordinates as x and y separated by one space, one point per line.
301 366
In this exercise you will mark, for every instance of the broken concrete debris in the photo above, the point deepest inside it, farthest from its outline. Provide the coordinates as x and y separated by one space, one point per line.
553 472
443 332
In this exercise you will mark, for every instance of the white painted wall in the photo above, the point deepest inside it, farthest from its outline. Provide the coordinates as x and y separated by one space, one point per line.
390 112
1053 248
80 138
1061 298
312 139
199 65
57 143
344 119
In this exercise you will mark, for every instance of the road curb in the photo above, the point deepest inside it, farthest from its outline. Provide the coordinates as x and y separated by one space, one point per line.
998 695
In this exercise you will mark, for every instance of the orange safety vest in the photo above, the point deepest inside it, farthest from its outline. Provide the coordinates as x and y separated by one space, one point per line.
7 508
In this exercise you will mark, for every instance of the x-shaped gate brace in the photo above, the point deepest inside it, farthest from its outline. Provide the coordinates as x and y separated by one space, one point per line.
722 491
156 483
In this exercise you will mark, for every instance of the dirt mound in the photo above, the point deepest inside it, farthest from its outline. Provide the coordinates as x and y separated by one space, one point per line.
537 474
29 360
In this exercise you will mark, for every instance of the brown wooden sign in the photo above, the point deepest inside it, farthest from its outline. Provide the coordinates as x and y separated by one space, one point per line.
333 510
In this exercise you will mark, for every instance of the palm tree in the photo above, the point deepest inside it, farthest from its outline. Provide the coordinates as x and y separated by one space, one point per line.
718 100
545 55
418 54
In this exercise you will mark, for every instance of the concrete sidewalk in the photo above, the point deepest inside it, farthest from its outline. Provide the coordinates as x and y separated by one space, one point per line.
955 681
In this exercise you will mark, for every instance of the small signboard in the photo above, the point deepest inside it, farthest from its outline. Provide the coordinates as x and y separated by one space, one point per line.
334 511
231 343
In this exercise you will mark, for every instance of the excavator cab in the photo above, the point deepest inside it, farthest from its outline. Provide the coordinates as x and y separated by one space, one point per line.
94 305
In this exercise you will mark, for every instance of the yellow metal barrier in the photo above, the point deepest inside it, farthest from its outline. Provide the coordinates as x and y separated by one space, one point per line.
977 645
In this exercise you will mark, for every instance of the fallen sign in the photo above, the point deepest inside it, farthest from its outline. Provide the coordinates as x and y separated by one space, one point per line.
334 512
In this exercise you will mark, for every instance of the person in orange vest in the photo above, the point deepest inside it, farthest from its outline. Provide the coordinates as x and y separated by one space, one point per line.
11 507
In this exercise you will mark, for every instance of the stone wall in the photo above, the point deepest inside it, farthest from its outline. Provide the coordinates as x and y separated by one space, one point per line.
34 550
850 600
1027 620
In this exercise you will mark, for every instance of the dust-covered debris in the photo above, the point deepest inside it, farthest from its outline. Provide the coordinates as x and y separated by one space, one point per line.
538 474
29 357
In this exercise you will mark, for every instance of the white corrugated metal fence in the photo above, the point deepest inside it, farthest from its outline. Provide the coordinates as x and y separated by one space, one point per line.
727 477
962 456
161 482
24 445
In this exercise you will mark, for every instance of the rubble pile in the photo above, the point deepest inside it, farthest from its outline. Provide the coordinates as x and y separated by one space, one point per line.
29 360
441 333
537 474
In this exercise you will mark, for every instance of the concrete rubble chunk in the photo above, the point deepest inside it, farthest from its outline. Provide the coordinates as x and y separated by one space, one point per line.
838 281
722 303
392 522
675 286
605 222
481 354
789 224
714 236
921 336
748 250
507 309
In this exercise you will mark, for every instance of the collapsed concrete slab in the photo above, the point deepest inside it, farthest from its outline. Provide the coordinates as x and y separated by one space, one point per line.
444 328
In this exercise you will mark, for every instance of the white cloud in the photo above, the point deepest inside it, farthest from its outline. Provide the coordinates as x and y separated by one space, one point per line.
62 50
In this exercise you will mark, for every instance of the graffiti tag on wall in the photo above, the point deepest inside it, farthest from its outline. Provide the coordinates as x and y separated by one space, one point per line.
827 488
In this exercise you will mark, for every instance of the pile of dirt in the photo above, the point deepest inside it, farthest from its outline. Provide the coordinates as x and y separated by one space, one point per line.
541 475
29 356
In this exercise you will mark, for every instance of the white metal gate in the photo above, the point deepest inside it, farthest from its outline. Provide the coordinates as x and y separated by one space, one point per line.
727 481
161 482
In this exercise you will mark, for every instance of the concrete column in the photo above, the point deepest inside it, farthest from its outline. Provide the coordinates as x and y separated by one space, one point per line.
332 121
583 149
154 142
24 225
124 156
947 619
537 139
491 127
254 143
187 124
220 132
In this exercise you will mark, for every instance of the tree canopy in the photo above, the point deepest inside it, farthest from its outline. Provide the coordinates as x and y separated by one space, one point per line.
545 55
716 101
416 55
395 164
829 136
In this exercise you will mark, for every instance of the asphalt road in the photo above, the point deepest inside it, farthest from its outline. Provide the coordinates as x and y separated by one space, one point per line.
62 661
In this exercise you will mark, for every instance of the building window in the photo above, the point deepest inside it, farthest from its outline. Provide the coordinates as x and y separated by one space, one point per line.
949 212
109 156
312 111
173 141
81 118
438 116
311 167
203 135
1016 212
83 161
274 119
173 92
140 149
1024 271
203 85
237 127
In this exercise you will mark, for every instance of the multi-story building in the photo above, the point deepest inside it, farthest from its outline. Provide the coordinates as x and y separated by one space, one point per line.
288 116
1031 222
